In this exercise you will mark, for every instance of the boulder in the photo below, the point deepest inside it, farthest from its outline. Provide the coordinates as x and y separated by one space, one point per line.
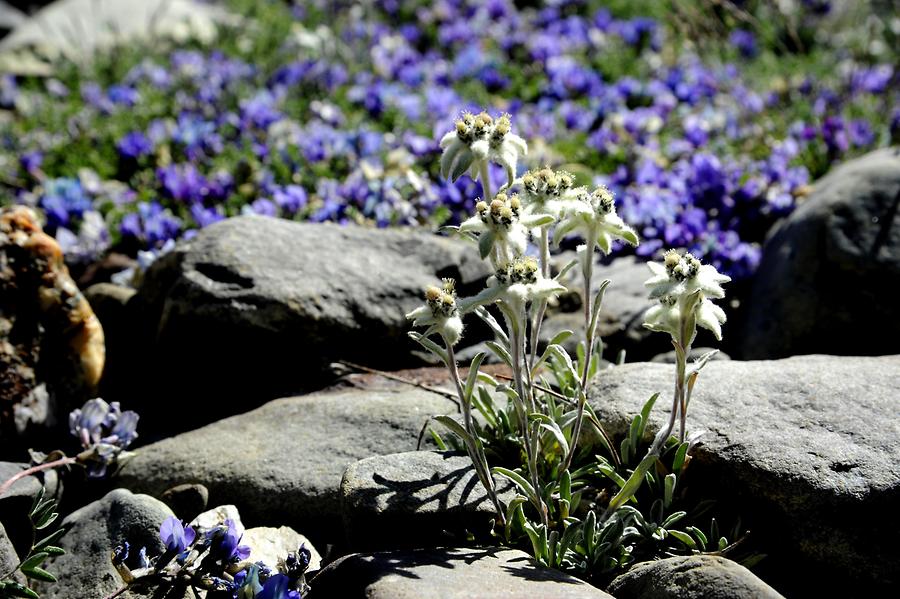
222 307
8 557
269 545
93 532
829 274
282 463
482 573
416 499
804 448
691 577
187 500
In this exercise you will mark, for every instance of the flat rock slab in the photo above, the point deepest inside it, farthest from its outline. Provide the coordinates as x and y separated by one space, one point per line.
257 307
415 499
808 448
691 577
489 573
829 274
281 464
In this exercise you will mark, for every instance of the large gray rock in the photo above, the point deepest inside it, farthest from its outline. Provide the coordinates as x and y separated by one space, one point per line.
691 577
806 448
254 308
282 463
8 557
415 499
93 532
830 273
485 573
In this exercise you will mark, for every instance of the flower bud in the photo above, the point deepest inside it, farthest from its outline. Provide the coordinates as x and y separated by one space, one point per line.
432 293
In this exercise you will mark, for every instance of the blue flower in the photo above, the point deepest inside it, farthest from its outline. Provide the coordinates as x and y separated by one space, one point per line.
175 535
744 41
134 145
226 543
278 587
104 431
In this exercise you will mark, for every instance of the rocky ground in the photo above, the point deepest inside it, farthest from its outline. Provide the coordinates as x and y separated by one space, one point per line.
231 350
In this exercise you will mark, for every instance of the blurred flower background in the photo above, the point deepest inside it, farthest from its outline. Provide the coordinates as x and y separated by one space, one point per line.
709 119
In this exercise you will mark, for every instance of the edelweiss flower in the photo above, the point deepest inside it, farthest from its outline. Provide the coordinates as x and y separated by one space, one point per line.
478 140
503 228
545 191
594 217
680 282
517 283
440 313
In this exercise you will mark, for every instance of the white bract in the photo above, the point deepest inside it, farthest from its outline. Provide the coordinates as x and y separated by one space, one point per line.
502 228
440 313
545 191
593 216
679 283
516 283
477 141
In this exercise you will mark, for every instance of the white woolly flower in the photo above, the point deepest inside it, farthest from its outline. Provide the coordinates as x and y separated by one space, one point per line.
545 191
478 140
440 313
516 283
502 227
593 216
682 283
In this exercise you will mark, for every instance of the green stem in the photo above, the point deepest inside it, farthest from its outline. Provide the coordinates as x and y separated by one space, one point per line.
588 272
539 316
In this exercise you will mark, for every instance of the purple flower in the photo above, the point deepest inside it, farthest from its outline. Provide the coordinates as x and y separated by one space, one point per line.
63 200
175 535
290 198
123 94
134 145
745 42
278 586
226 541
860 133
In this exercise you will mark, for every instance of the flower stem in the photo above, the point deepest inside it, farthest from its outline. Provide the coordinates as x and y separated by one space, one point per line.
542 308
485 176
34 470
588 272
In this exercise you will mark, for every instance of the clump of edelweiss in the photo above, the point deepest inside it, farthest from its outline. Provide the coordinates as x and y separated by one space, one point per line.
440 312
478 140
544 190
593 216
683 285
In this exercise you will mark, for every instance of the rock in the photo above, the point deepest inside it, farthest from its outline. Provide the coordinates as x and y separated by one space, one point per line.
621 314
485 573
805 447
282 463
52 348
187 500
691 577
93 532
8 557
112 304
268 545
696 354
415 499
16 502
221 307
217 516
829 274
102 25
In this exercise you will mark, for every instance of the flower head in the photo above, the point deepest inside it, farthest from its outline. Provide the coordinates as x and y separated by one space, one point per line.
477 140
440 312
104 432
175 535
684 287
516 282
226 543
593 216
545 190
503 227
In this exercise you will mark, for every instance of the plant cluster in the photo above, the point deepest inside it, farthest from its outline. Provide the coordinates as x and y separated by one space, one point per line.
211 560
319 111
43 545
583 502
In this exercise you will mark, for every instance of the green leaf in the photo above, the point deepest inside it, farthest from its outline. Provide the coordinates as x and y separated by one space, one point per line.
485 244
473 374
429 345
46 520
645 412
49 539
550 425
684 538
673 518
565 269
565 486
595 309
520 481
39 574
17 590
633 483
54 550
669 489
34 560
680 456
456 428
492 323
698 534
500 351
438 440
38 499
